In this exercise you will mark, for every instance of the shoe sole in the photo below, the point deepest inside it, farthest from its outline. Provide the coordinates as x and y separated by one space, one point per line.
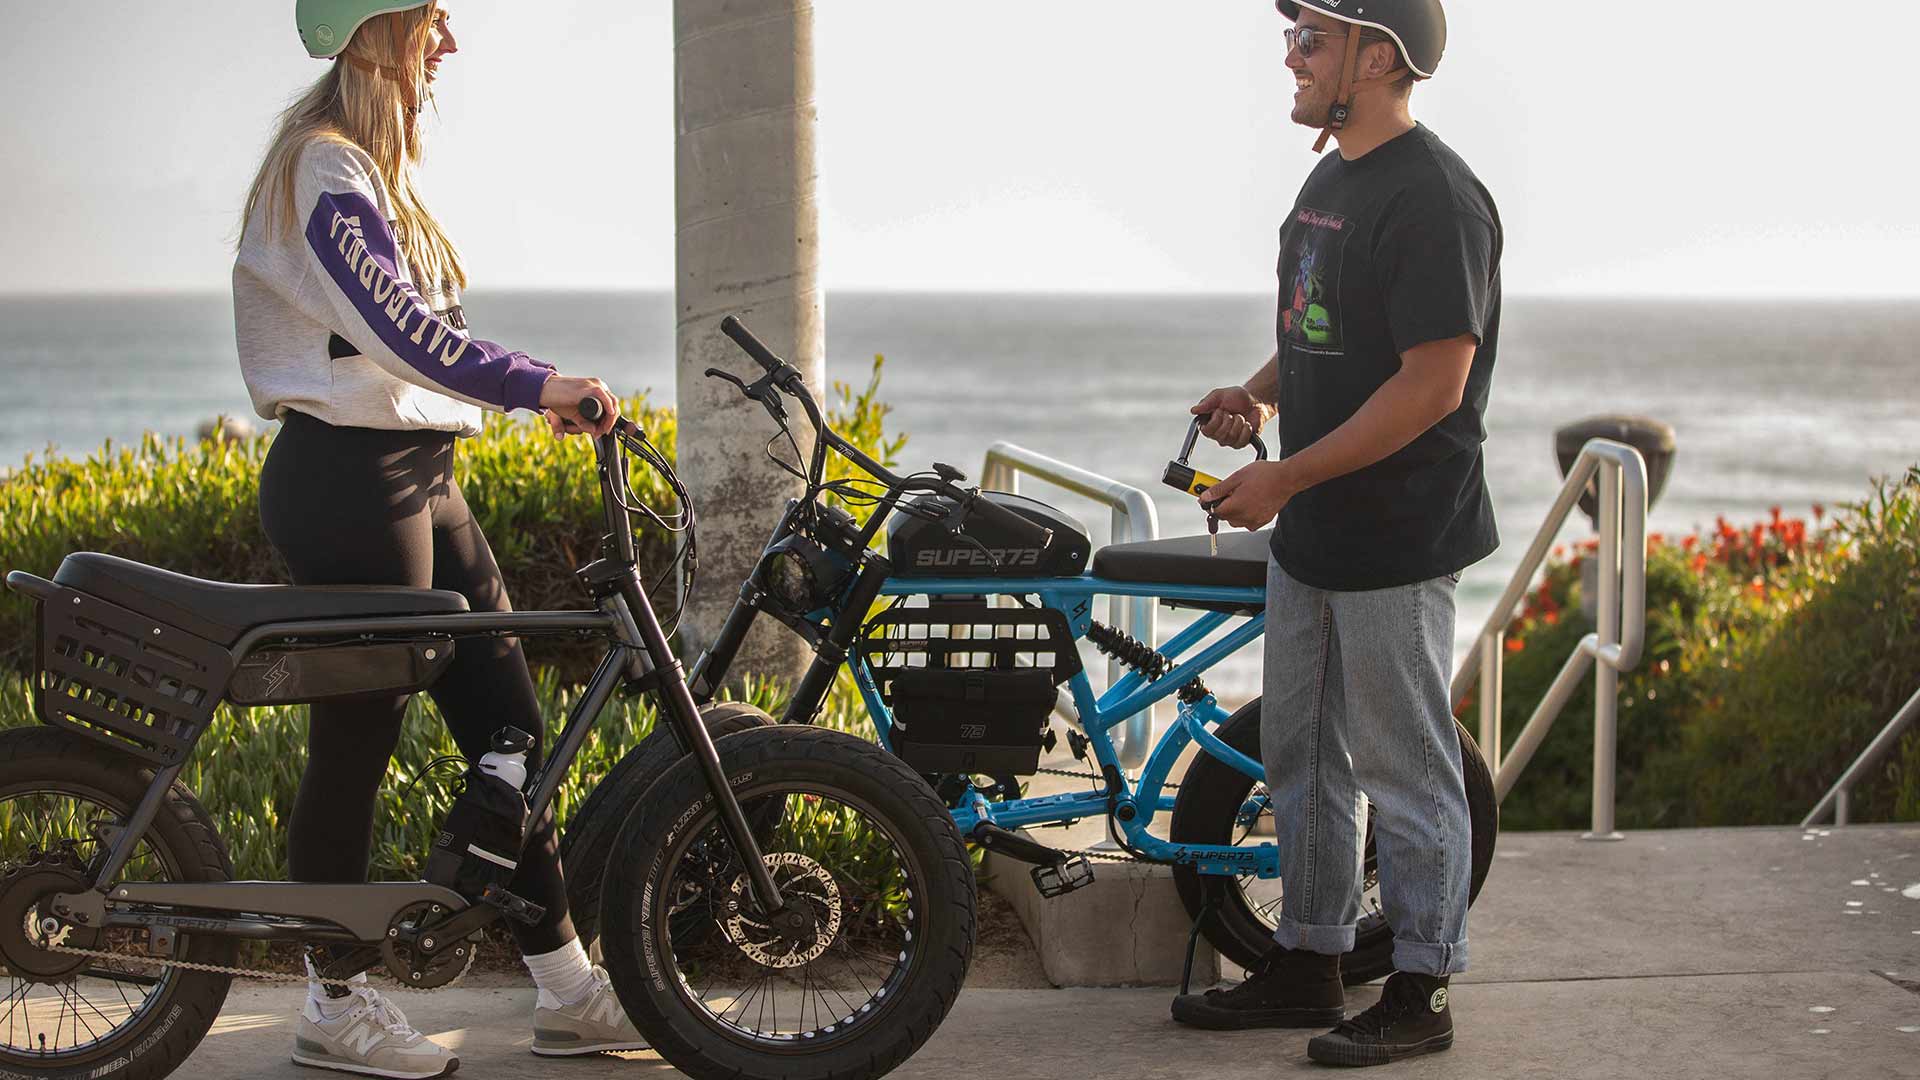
1341 1052
341 1065
592 1048
1215 1019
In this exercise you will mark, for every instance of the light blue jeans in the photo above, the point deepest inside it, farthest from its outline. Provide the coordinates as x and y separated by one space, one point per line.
1356 709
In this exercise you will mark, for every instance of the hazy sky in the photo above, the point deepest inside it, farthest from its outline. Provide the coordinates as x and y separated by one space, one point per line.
1720 147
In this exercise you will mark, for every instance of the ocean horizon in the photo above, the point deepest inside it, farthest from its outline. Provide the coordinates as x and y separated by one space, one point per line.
1773 403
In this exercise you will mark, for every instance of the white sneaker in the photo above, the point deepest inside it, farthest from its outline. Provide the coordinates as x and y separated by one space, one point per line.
594 1023
371 1037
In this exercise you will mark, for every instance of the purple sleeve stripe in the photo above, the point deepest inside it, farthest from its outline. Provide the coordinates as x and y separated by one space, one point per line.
351 240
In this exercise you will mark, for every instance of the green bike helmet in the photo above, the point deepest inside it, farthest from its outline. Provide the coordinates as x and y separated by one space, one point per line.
327 25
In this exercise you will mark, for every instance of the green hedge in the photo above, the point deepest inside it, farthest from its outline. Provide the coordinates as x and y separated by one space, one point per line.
193 508
1774 654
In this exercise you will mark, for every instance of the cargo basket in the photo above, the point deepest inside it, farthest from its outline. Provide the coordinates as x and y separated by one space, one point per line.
970 686
125 679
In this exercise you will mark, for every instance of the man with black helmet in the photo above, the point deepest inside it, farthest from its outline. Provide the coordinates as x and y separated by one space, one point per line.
1388 323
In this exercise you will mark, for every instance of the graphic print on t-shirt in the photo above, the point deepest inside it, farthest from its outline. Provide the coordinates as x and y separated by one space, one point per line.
1312 316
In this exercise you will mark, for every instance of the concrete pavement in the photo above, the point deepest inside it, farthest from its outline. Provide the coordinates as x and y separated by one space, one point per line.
1689 953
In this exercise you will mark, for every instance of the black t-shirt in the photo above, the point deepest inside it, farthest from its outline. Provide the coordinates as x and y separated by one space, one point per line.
1393 250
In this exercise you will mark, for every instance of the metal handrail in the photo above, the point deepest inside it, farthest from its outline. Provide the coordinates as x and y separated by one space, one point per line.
1134 518
1838 796
1614 646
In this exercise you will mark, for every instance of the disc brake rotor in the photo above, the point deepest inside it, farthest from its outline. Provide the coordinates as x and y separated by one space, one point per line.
800 879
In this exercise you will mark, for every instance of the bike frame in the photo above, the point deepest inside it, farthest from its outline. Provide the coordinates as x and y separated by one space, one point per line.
638 659
1132 802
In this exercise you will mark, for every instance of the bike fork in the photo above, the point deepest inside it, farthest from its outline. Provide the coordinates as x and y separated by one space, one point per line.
683 716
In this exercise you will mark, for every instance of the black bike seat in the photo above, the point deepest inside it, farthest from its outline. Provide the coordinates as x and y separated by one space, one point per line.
1186 560
221 611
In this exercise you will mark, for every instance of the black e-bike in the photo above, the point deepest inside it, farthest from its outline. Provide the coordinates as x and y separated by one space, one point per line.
797 903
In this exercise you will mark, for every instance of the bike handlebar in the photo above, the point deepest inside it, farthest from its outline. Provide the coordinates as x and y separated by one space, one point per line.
752 346
788 380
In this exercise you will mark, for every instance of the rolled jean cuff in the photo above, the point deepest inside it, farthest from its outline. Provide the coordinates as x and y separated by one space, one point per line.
1429 958
1325 940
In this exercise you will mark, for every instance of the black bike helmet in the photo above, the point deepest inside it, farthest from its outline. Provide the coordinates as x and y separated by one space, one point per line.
1418 28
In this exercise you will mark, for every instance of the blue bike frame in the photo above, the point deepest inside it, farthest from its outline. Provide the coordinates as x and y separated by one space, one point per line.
1132 802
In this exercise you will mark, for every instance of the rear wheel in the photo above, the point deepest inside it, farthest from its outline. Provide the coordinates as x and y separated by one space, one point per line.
64 1015
1218 804
874 870
590 834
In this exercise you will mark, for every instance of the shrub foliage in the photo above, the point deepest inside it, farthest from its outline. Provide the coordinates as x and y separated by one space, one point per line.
1775 652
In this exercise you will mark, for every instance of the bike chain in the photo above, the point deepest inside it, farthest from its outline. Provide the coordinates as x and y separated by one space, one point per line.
263 974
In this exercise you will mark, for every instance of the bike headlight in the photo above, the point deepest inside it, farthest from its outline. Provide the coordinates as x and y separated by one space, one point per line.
799 574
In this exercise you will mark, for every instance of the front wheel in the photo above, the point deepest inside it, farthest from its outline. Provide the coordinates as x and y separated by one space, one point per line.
1218 804
122 1015
867 858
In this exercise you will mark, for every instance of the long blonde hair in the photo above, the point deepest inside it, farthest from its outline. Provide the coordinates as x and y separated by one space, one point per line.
370 99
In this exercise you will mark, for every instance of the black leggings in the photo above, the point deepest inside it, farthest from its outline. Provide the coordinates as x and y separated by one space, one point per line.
356 506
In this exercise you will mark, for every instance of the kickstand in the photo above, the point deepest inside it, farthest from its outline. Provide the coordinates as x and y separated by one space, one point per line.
1193 942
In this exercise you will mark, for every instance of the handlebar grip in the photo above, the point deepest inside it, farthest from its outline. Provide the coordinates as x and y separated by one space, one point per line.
743 337
591 409
1259 449
995 514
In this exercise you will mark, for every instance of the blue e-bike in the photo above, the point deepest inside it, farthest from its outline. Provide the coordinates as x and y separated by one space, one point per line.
963 638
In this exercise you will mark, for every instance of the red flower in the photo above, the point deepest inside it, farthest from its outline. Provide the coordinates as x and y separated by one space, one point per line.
1819 511
1688 543
1514 644
1699 564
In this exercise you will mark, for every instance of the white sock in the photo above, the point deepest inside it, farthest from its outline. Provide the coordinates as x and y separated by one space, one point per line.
565 972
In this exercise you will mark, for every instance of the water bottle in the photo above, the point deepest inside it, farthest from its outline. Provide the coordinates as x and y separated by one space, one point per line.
479 844
508 758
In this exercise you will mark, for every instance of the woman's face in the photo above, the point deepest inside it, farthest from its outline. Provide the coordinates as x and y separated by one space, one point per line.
440 41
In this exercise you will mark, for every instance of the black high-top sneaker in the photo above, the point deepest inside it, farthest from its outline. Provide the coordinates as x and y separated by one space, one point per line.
1285 988
1411 1018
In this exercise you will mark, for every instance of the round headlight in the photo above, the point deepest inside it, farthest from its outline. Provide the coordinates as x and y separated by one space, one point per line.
789 579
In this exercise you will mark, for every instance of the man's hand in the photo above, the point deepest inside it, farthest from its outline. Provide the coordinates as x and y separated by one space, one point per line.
561 396
1236 418
1253 495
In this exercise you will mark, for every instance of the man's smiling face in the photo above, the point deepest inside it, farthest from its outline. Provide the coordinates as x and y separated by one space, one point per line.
1316 77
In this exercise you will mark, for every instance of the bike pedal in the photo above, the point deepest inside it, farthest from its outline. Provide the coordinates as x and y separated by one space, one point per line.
513 907
1062 878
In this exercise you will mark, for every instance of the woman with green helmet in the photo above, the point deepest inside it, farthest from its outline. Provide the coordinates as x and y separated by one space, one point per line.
350 332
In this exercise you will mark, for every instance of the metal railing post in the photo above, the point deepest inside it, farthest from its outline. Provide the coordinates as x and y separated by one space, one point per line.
1839 798
1606 675
1492 676
1134 518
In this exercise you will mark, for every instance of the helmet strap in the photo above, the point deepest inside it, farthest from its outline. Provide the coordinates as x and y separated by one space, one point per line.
1343 104
381 71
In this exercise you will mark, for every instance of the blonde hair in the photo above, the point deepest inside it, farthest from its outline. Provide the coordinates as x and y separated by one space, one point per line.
369 99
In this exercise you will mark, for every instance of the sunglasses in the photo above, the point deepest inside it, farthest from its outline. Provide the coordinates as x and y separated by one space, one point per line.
1306 39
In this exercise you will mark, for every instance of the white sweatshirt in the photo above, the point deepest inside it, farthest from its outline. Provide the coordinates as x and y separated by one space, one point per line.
329 321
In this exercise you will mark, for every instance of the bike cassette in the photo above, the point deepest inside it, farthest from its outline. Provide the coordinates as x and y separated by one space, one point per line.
813 906
408 950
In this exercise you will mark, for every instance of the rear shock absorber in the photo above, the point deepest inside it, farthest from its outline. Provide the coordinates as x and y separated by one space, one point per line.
1141 657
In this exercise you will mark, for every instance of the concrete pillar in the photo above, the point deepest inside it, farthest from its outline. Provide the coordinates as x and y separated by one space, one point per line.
746 229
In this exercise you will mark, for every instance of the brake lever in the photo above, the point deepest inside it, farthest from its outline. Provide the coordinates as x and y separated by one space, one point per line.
760 390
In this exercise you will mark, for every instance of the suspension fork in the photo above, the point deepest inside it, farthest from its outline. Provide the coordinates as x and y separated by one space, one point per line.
683 719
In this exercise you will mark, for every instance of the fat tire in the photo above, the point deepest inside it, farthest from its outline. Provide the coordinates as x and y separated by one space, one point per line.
785 753
157 1044
590 834
1210 798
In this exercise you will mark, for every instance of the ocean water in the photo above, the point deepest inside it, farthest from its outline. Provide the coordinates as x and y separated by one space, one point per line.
1776 403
